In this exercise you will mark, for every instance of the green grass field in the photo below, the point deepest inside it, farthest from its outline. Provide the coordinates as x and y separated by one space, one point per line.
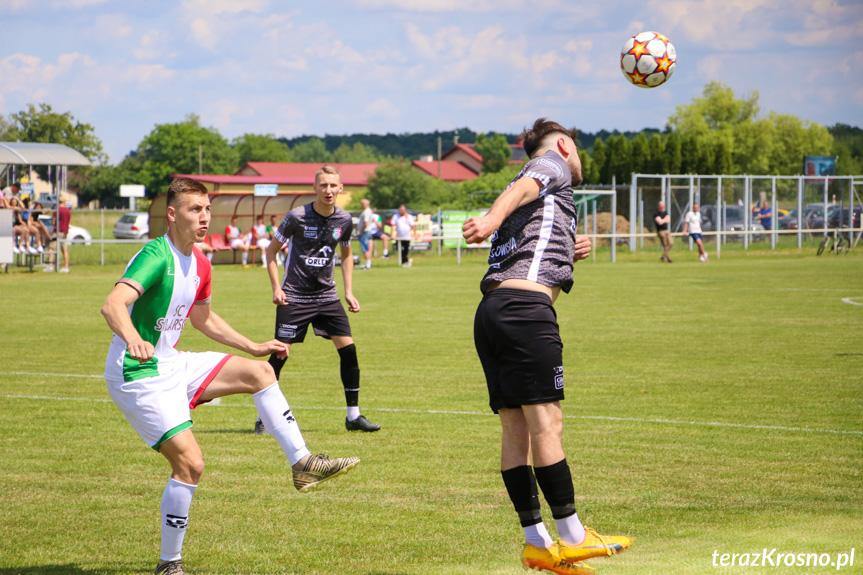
709 408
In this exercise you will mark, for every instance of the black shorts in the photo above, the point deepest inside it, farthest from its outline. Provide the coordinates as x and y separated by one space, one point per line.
328 318
518 342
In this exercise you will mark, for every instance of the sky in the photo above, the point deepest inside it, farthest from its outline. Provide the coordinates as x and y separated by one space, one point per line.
398 66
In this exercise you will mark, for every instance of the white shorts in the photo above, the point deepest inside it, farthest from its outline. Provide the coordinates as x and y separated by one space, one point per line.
238 243
263 243
159 407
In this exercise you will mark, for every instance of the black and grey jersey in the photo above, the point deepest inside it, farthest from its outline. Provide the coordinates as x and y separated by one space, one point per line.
537 241
314 240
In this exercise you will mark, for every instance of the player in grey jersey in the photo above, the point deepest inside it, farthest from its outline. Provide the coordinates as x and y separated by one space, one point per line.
517 339
307 293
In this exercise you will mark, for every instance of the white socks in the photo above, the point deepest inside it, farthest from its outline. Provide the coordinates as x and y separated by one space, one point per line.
275 412
537 535
245 258
570 529
353 412
176 501
210 256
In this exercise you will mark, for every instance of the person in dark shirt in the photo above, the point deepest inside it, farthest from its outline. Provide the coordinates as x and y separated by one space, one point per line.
662 221
532 226
307 293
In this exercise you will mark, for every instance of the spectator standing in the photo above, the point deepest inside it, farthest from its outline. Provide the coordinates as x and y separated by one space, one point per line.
367 218
662 220
234 237
692 224
765 215
404 225
64 217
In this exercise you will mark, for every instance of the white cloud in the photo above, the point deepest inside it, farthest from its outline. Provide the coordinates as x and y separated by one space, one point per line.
206 7
203 33
111 26
150 45
443 5
78 3
383 107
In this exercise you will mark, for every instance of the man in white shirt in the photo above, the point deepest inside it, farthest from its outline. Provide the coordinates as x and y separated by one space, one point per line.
404 225
692 224
262 240
234 238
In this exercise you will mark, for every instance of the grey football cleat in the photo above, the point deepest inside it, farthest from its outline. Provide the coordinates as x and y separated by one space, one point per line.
259 427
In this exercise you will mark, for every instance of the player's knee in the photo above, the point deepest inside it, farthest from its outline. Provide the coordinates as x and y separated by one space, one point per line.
263 376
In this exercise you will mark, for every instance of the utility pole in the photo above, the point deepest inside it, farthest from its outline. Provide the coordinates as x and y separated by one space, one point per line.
438 158
200 159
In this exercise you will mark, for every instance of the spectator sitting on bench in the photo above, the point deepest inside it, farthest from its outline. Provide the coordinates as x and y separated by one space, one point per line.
261 239
206 249
234 238
34 222
21 228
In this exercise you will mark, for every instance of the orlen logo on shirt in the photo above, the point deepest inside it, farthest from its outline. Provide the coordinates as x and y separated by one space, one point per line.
320 262
175 323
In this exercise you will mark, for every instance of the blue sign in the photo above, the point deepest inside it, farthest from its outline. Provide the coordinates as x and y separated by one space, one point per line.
819 166
266 189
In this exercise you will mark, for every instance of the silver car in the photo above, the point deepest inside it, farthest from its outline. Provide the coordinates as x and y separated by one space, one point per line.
132 226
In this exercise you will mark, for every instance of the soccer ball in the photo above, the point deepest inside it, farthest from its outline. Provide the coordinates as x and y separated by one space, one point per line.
648 59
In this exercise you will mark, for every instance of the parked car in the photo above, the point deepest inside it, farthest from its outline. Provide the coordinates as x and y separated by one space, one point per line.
734 221
844 219
77 235
810 212
132 226
815 218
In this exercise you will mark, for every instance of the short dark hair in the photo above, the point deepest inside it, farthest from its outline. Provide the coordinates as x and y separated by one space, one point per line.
180 186
534 136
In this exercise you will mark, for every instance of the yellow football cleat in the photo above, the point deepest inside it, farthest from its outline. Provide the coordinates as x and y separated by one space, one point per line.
541 559
594 545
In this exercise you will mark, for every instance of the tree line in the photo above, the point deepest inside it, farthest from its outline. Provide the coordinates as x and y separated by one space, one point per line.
717 133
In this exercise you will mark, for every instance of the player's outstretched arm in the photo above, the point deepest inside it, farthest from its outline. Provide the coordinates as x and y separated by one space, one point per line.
213 326
116 312
521 192
348 277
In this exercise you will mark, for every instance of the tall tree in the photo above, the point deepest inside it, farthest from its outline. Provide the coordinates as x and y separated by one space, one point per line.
260 148
495 151
359 153
399 182
619 154
658 160
312 150
640 154
174 148
589 169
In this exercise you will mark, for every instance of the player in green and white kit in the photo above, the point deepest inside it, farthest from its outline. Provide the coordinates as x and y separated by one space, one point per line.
164 286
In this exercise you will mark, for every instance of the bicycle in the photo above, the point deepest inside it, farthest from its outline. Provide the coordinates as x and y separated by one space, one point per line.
840 244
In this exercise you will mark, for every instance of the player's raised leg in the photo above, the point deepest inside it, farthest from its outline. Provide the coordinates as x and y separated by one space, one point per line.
240 375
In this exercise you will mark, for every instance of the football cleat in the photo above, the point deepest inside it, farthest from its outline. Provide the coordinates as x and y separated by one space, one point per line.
170 568
320 468
259 427
594 545
361 424
540 559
